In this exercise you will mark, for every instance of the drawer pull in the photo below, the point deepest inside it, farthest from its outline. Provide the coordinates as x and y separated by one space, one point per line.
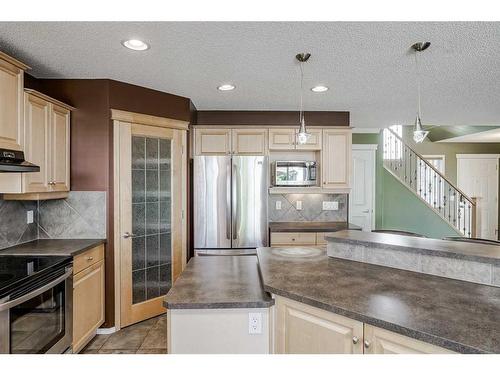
90 258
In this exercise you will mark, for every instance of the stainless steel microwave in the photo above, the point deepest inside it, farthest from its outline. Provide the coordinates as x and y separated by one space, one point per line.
294 173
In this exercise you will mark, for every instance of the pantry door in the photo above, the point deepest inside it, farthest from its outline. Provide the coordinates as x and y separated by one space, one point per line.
151 224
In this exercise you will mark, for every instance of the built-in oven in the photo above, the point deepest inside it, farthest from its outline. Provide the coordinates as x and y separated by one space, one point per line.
294 173
36 316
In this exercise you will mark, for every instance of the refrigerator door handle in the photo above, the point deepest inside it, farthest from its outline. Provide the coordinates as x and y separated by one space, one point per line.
228 202
235 201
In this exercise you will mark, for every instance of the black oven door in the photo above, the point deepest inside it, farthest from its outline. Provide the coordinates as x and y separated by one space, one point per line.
39 320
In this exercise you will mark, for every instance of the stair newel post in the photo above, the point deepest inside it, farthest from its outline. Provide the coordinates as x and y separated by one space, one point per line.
474 217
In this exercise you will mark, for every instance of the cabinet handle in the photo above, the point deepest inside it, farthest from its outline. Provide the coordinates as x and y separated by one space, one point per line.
355 340
90 258
367 344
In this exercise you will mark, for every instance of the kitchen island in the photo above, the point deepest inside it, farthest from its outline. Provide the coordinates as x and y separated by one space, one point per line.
325 304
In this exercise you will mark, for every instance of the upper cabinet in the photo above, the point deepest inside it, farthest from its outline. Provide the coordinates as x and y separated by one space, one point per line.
287 139
46 141
212 141
336 158
282 139
11 103
247 141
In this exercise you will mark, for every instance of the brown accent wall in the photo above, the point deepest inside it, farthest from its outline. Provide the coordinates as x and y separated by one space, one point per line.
92 139
269 118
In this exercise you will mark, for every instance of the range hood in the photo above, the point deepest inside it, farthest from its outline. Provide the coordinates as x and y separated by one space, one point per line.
12 161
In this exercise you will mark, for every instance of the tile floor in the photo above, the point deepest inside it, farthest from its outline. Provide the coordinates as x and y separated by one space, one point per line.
147 337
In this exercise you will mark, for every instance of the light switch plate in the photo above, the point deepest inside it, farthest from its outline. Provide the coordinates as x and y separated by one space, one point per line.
29 217
255 323
298 205
330 205
278 205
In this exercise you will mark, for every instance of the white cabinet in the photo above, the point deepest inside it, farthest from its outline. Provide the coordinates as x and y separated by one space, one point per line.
381 341
282 139
11 103
47 144
336 158
303 329
225 141
314 142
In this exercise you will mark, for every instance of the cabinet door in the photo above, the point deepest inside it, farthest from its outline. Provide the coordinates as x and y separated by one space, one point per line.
60 139
11 106
88 304
303 329
36 143
249 141
293 238
282 139
381 341
212 141
314 142
336 158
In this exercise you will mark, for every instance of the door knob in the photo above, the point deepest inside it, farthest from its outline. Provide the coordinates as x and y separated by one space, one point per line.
366 211
128 235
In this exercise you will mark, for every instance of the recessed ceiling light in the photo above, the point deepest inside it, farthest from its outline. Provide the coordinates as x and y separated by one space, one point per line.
319 88
226 87
136 44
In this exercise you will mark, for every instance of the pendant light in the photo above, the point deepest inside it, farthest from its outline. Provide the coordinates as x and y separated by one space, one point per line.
419 134
303 135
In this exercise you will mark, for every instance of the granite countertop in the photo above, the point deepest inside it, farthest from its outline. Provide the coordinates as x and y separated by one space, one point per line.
319 226
52 247
219 282
451 249
457 315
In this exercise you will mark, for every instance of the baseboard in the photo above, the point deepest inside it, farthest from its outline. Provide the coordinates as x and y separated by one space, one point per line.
106 331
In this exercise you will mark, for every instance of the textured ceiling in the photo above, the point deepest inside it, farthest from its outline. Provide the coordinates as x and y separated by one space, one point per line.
368 66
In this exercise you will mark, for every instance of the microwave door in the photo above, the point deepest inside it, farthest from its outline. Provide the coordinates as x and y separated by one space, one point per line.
212 202
249 185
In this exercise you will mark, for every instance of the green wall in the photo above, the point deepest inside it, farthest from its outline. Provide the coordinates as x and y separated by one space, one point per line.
396 207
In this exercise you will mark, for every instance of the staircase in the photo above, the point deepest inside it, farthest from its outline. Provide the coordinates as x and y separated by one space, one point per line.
428 184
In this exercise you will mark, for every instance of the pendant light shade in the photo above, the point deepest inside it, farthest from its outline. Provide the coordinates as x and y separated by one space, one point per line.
302 135
419 134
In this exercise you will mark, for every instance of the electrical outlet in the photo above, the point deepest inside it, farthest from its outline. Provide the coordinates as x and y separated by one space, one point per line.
29 217
298 205
255 323
278 205
330 205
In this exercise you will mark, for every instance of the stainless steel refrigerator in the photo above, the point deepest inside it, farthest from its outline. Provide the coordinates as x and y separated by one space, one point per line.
230 204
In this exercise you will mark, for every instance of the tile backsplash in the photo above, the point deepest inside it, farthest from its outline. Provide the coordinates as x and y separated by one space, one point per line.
312 207
81 215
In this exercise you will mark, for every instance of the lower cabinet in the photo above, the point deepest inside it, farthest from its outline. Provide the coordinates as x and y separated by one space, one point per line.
303 329
381 341
88 296
298 238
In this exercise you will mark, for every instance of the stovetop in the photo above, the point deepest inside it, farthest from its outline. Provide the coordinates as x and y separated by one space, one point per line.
17 270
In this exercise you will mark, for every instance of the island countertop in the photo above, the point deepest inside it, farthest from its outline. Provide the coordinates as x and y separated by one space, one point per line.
217 282
451 249
457 315
58 247
312 226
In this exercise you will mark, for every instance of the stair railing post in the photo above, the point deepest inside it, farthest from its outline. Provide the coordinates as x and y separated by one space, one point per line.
474 218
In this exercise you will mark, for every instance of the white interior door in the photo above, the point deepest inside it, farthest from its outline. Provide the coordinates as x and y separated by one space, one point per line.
362 197
477 176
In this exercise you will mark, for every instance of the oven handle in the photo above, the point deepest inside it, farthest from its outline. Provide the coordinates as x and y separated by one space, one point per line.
9 304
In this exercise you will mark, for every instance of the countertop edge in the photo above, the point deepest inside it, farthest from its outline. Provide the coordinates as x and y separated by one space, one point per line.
78 249
85 248
420 250
218 305
422 336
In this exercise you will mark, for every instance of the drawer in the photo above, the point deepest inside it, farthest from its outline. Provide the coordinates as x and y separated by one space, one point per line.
320 237
293 238
88 258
